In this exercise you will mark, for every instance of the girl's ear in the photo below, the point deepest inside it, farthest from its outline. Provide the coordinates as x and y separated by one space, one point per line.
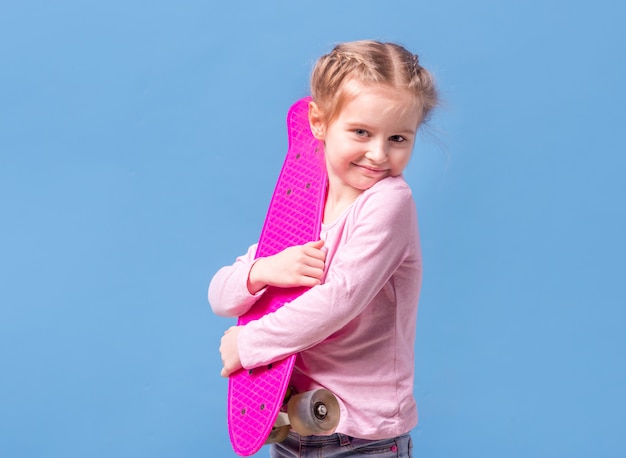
316 121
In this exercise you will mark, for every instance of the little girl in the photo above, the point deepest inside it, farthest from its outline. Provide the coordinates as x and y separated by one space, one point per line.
354 330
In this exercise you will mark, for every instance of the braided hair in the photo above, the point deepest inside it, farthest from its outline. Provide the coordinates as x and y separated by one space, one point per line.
370 62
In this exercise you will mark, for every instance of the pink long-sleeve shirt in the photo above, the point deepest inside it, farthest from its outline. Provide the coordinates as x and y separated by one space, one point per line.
354 333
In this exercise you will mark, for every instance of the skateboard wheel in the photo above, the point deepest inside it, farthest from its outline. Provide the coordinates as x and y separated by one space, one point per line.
313 412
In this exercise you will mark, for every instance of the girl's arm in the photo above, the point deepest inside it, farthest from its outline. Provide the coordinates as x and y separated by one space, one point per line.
234 289
382 234
228 291
301 265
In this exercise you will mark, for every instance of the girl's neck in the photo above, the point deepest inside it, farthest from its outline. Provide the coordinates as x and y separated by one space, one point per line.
338 198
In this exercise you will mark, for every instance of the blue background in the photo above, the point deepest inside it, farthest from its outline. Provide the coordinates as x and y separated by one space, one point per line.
139 146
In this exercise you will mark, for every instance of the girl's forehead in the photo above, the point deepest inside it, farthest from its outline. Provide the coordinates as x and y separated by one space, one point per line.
383 94
381 101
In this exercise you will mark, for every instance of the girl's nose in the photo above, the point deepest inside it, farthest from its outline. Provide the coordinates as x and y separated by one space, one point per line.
376 153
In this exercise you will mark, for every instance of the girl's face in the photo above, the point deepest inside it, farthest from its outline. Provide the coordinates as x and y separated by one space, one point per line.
371 138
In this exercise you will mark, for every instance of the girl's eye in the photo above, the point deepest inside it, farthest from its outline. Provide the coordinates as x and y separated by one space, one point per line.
360 132
397 138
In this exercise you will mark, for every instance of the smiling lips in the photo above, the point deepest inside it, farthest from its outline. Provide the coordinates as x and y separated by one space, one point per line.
370 169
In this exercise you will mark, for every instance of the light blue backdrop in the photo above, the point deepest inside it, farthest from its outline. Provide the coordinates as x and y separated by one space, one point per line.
139 145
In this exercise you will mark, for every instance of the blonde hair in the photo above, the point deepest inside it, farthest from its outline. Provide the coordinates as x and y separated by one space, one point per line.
369 62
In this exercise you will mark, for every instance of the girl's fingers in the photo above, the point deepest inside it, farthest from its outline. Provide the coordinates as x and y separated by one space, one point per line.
315 249
316 254
315 264
316 243
314 272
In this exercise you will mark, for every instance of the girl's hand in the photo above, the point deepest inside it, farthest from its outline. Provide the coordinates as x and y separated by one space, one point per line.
300 265
230 351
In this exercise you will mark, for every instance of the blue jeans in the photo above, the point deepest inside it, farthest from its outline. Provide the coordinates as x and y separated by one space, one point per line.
341 446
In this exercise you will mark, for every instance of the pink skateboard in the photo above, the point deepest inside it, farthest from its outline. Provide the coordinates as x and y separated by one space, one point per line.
256 397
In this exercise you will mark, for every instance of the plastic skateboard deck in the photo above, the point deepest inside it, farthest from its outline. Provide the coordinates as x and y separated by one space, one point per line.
294 217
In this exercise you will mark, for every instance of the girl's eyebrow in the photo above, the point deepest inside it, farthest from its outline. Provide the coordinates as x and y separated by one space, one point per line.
407 132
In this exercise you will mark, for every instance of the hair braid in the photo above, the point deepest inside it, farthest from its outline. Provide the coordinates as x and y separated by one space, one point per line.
370 62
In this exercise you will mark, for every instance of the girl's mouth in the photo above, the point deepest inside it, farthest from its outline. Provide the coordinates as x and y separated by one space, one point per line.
372 170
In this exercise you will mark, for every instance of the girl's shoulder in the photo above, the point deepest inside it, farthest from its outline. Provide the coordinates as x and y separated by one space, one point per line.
389 200
386 198
392 188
